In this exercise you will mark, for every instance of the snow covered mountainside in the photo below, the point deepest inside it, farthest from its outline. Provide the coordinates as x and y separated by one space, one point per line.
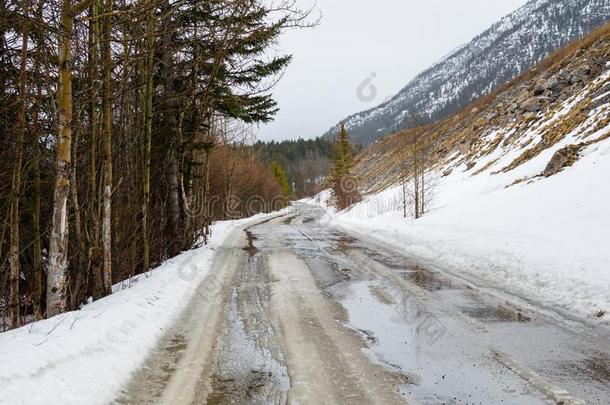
521 186
509 47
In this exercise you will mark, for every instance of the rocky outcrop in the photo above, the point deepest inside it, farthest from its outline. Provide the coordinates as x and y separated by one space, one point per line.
580 74
533 104
563 158
553 84
526 118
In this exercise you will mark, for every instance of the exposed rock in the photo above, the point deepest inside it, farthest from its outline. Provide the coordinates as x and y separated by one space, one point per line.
447 172
528 129
602 99
575 79
533 104
552 84
563 158
529 115
584 70
522 97
539 88
580 74
565 75
563 97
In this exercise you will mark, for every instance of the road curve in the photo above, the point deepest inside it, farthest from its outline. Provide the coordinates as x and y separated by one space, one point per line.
297 312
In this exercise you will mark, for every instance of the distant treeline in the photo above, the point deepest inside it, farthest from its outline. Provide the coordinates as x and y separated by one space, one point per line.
306 162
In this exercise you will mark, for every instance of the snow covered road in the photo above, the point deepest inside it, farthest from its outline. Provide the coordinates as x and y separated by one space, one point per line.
299 312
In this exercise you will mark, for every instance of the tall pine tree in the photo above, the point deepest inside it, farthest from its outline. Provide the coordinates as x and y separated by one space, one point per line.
344 160
280 174
344 184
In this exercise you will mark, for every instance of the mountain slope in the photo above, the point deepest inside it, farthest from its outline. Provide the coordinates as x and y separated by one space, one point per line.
519 185
509 47
563 102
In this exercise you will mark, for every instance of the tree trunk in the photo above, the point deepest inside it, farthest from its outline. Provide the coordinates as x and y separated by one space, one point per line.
416 197
94 210
206 193
416 184
58 249
185 181
404 197
78 283
16 186
423 191
170 125
174 206
148 118
107 139
37 259
229 187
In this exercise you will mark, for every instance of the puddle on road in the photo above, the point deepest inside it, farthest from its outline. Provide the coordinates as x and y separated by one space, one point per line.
288 220
426 279
251 249
344 272
395 263
344 239
495 313
244 389
344 244
249 366
177 344
366 335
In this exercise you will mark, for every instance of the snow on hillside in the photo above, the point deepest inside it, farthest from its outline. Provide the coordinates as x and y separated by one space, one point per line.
506 49
66 357
545 240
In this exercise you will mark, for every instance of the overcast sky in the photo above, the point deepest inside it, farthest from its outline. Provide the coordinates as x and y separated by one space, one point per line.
388 41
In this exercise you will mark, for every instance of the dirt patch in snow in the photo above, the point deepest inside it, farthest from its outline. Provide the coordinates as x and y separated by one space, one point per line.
250 248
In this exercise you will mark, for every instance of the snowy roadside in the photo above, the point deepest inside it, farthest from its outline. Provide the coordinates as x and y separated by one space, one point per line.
546 242
86 356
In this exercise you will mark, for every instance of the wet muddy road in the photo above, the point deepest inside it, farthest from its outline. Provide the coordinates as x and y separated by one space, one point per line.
299 312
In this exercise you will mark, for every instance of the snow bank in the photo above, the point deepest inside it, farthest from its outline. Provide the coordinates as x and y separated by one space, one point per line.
547 240
84 357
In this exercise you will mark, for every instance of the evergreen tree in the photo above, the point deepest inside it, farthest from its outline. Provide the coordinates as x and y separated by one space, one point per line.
306 162
153 93
280 174
344 184
344 160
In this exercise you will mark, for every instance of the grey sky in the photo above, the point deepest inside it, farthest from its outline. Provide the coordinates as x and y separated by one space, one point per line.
394 39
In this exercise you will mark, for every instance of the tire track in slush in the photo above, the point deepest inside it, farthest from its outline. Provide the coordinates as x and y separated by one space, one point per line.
250 366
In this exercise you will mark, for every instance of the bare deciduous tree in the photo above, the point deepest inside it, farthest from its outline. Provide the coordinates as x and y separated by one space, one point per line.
415 178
